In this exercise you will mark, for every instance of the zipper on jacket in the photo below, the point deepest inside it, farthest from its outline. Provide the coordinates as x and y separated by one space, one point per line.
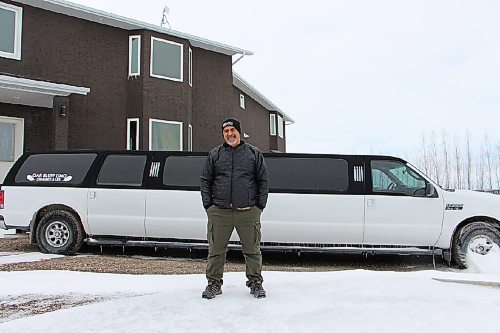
231 205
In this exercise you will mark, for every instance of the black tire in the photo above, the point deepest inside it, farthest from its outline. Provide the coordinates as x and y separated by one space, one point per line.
59 232
478 236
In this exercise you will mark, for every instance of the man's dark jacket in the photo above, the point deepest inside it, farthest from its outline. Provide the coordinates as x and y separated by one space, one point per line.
235 177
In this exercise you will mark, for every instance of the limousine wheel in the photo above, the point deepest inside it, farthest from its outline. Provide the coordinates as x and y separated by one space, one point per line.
478 237
59 232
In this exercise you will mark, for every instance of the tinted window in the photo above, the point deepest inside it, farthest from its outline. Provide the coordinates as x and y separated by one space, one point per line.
307 174
122 170
55 168
183 170
396 177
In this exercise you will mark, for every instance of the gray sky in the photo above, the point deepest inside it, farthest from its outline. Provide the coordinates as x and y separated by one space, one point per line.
357 76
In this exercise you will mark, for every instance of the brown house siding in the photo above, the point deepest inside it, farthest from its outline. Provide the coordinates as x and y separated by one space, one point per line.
36 123
253 120
212 96
63 49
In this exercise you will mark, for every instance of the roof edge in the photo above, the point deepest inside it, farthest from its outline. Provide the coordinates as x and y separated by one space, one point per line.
107 18
247 88
46 87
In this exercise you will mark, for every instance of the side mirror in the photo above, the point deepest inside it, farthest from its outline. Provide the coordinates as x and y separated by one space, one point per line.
429 190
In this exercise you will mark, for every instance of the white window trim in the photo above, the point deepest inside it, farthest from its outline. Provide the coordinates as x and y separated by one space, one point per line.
272 124
242 101
152 120
129 121
280 126
130 39
190 137
190 78
17 32
151 60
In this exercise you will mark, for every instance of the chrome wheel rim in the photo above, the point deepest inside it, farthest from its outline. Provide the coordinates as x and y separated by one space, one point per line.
481 244
57 234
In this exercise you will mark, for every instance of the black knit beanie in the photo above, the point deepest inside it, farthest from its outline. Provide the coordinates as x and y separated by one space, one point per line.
232 122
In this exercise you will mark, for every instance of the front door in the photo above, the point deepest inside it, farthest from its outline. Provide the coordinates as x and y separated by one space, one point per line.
11 143
397 211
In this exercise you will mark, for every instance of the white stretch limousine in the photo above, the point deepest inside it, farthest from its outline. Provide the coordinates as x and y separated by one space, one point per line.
331 203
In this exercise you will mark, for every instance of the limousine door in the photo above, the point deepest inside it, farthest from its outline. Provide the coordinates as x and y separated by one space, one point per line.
314 200
175 210
398 211
116 206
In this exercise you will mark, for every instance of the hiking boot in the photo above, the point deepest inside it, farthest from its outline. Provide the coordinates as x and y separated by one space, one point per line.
256 289
213 289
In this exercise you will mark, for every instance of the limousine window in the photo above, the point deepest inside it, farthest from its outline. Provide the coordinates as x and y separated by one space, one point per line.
122 170
307 174
183 170
396 177
55 168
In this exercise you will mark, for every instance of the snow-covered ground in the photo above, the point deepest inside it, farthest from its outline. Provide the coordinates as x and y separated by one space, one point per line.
340 301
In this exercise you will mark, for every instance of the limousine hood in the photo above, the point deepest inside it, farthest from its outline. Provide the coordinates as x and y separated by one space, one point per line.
473 203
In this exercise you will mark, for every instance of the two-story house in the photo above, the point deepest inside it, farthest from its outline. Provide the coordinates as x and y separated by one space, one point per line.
73 77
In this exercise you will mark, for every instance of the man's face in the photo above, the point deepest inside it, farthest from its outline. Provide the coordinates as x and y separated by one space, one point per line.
231 135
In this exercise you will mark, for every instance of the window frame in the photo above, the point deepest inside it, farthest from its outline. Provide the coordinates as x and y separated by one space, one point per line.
130 41
181 79
152 120
242 101
129 121
190 63
18 31
281 126
190 137
272 124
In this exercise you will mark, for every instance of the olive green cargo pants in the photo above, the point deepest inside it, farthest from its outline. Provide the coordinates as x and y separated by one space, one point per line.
221 223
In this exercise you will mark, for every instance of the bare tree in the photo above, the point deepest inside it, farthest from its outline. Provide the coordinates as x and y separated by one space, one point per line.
453 164
486 152
458 163
446 166
497 168
434 158
423 161
468 156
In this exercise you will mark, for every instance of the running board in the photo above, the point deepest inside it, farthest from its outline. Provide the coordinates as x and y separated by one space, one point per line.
271 247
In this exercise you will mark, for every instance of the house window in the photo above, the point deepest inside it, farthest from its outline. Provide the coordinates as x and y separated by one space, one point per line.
165 135
280 126
133 134
190 137
190 78
10 31
242 101
166 59
272 124
134 55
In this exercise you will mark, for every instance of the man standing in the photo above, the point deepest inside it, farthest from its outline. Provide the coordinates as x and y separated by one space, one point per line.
234 189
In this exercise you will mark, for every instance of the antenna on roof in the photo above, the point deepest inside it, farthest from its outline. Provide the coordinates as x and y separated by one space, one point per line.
164 20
